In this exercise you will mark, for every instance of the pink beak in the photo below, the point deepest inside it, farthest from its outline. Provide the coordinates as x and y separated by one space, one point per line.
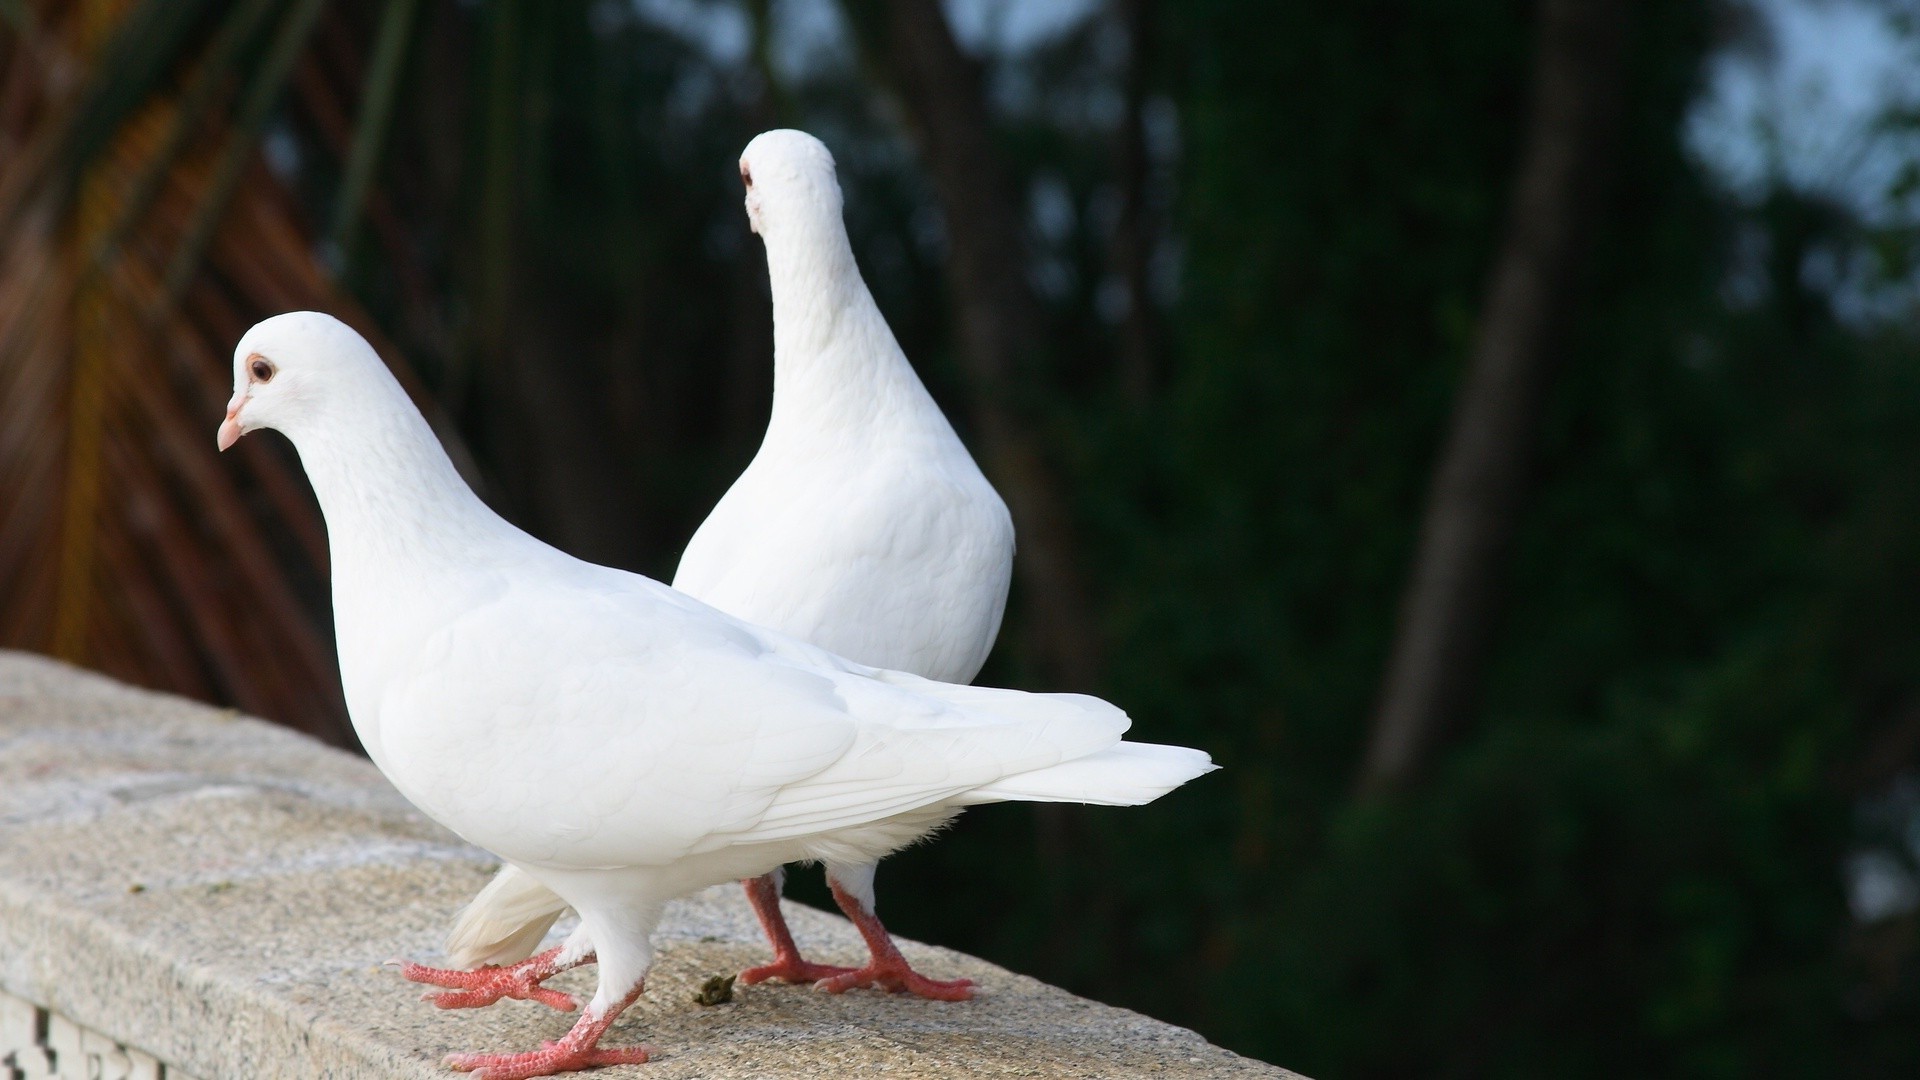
230 427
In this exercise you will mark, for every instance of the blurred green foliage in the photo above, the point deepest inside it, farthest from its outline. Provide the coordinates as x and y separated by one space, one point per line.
1630 859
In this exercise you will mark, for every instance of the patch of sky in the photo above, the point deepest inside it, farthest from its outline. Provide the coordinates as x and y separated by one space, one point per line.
1003 27
1881 874
812 32
1820 97
808 36
722 32
1806 96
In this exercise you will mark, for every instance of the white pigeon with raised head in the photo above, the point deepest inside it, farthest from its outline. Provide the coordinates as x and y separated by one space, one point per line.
862 526
618 741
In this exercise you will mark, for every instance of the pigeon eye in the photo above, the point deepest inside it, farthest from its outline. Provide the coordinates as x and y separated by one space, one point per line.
746 174
262 371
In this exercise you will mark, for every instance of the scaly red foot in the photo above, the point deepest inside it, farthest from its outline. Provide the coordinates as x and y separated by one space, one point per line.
549 1059
485 985
577 1049
888 969
792 969
788 965
895 976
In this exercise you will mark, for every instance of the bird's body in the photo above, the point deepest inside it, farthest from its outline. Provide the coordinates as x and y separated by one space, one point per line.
469 649
861 526
620 742
880 540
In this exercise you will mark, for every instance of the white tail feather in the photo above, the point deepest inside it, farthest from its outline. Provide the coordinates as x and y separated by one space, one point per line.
1127 774
505 923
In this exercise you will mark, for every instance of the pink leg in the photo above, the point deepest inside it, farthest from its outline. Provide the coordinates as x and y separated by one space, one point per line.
577 1049
788 966
888 968
488 984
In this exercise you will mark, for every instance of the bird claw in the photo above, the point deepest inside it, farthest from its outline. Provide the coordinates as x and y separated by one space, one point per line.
479 999
793 969
551 1058
449 977
897 979
485 985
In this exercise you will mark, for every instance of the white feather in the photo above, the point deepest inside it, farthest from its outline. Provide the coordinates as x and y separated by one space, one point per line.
1127 774
505 923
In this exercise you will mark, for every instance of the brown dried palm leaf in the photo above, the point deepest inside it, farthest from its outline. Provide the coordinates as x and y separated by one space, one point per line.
126 542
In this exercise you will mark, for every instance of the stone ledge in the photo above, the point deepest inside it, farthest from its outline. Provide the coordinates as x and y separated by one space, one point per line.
188 892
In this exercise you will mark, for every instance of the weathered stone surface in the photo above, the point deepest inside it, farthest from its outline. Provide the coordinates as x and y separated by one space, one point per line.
218 894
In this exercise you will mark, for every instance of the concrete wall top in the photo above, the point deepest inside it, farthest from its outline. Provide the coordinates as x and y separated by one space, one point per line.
185 892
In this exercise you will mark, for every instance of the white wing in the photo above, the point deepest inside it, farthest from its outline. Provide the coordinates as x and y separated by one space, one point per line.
607 721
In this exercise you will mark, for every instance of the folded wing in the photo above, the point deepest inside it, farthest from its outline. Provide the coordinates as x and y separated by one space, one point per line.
646 731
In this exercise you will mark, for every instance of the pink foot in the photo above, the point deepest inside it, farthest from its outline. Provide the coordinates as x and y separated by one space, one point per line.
578 1049
486 985
792 969
888 969
549 1059
897 977
788 965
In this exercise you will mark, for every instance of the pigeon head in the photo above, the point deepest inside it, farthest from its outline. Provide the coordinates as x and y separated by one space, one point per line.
291 368
790 182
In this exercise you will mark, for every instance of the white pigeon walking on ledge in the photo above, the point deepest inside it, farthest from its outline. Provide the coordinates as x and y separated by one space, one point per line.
618 741
861 526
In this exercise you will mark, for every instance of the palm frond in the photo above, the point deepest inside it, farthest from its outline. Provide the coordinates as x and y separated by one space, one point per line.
150 235
243 141
376 113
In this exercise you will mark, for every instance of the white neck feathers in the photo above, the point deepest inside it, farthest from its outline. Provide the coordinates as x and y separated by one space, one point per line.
390 494
834 357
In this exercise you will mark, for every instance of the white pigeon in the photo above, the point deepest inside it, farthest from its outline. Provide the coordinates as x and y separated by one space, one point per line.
618 741
861 526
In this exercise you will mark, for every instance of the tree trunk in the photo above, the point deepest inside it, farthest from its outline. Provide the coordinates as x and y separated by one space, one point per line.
1454 598
1132 250
912 49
